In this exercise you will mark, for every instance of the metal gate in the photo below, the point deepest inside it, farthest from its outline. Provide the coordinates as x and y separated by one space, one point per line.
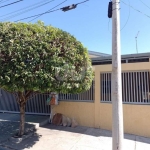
36 105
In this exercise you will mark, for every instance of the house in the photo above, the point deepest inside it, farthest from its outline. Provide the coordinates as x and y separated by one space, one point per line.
97 111
93 108
97 54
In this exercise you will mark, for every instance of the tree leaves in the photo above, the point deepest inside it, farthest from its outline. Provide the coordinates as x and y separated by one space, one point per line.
35 57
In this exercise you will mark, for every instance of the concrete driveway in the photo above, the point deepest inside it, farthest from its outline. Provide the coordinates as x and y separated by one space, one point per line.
51 137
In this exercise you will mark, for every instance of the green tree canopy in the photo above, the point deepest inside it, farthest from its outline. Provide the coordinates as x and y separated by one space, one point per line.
42 58
38 58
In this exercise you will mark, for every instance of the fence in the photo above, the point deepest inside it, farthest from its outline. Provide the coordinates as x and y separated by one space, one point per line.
36 105
135 87
85 96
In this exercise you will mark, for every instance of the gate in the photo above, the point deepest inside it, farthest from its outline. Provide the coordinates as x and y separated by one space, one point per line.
36 105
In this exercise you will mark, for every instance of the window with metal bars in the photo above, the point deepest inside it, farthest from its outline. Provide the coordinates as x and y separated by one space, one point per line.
135 87
85 96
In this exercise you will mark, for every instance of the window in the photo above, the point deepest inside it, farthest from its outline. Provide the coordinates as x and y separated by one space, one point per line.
135 87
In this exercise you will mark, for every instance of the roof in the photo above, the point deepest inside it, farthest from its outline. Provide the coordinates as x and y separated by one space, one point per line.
97 54
140 57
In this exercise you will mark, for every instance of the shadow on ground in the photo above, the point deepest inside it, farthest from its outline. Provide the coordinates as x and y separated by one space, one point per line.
27 143
9 128
9 124
96 132
28 118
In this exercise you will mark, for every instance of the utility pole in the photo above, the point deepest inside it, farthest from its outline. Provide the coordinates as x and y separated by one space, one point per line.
117 114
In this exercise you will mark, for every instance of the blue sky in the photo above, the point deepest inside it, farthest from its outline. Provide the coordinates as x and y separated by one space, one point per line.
89 22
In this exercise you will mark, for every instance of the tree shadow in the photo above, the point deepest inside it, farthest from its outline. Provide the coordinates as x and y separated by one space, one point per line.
9 128
26 143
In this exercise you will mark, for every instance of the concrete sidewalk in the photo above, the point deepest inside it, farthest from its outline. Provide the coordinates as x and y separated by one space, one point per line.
9 123
51 137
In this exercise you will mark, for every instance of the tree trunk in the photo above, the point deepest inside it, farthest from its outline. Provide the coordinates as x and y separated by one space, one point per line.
22 119
22 98
22 104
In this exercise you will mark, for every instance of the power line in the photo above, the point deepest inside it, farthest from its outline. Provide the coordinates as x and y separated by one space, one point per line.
15 15
135 9
145 4
127 18
4 1
82 2
22 8
60 8
125 22
10 3
36 15
73 6
47 11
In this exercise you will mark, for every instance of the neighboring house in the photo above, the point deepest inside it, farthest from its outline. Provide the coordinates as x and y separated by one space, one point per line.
97 54
129 58
93 108
135 84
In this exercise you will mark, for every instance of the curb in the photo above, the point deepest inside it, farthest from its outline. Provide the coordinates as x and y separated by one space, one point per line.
32 129
37 125
44 122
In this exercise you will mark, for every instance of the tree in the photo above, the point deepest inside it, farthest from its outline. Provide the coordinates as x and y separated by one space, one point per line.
35 58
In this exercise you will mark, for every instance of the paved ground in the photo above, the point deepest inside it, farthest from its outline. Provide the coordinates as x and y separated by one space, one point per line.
51 137
62 138
9 123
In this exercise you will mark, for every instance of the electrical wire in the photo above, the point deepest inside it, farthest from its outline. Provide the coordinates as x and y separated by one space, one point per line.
47 11
127 18
135 9
10 3
82 2
23 8
145 4
57 6
124 24
37 15
4 1
15 15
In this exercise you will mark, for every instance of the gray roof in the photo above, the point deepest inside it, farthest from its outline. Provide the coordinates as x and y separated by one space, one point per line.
128 56
98 54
